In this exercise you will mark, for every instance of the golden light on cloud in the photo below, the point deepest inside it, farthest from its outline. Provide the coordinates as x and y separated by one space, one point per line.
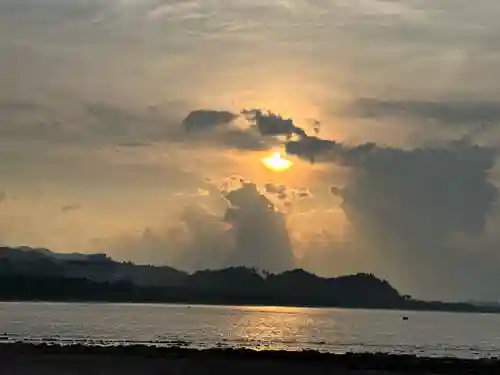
276 162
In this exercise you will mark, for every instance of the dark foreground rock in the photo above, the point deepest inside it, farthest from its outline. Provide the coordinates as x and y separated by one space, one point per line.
29 359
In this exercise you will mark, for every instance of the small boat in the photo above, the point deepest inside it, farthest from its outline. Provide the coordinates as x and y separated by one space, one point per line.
404 318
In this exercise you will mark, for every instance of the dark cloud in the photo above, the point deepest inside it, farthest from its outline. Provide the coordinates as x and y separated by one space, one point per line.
335 190
447 112
415 191
272 124
217 127
3 196
206 119
314 148
259 230
409 204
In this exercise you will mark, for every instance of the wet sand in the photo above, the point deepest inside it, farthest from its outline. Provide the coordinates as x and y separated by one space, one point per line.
30 359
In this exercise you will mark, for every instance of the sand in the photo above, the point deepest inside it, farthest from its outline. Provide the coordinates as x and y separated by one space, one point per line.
30 359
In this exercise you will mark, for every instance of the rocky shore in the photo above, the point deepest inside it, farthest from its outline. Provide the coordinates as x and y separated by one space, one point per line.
29 359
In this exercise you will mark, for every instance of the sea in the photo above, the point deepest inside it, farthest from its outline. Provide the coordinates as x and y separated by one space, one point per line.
431 334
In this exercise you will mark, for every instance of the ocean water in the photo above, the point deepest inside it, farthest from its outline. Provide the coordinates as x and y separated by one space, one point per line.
261 328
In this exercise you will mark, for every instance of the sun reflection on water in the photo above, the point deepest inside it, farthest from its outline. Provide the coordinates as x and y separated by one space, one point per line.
272 327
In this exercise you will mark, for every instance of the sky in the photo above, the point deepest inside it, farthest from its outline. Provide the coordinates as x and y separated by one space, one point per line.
137 128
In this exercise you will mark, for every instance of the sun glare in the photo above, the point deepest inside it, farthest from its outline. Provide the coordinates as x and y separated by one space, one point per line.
276 162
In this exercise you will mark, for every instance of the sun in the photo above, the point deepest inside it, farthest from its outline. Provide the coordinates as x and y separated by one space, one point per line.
276 162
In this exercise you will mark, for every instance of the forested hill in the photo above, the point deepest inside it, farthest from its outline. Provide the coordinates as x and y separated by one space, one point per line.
39 274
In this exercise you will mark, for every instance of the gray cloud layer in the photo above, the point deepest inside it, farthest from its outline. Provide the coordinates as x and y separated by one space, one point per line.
449 113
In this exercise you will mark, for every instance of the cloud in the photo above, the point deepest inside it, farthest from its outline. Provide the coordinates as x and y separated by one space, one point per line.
313 148
250 232
218 128
198 240
335 190
262 131
111 119
447 112
203 119
29 120
242 139
259 230
436 191
410 203
77 122
104 123
101 123
271 124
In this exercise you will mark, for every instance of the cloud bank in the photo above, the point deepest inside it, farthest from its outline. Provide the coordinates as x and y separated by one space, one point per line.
249 232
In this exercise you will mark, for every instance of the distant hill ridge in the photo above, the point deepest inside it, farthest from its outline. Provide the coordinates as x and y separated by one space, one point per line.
95 267
27 252
39 274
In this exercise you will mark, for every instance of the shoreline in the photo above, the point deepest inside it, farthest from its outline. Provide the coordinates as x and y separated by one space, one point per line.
480 310
26 358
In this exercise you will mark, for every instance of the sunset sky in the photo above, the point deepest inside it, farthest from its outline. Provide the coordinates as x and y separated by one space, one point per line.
138 128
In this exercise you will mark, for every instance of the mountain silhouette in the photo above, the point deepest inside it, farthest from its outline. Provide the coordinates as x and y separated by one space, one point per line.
40 274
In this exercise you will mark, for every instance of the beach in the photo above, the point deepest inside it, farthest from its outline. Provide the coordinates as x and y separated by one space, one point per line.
29 359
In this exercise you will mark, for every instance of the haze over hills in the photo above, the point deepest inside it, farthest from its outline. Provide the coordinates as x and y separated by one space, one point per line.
40 274
95 267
